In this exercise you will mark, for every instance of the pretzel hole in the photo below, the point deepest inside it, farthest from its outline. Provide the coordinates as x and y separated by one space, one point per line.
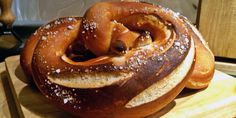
140 30
79 54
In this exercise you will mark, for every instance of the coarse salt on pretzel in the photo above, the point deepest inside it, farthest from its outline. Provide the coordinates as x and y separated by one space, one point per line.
122 59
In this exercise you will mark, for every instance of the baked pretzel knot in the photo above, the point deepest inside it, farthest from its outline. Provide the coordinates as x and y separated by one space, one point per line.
122 59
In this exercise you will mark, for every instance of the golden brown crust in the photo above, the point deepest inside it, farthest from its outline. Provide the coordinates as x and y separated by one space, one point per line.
27 55
104 84
204 66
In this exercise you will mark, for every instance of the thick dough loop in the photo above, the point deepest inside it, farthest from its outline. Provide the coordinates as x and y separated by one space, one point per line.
122 59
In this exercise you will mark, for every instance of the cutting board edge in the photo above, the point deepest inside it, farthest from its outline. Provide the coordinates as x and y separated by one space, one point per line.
12 88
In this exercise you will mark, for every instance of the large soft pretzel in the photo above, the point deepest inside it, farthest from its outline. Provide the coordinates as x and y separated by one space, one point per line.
122 59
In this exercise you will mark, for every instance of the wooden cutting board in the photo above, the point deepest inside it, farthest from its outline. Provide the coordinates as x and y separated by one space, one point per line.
218 100
7 105
4 107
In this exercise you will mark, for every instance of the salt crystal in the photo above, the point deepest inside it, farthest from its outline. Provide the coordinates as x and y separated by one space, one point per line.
43 38
47 26
160 58
161 48
58 70
57 22
114 21
48 82
153 58
70 19
64 92
86 70
145 8
70 27
155 46
35 32
177 44
176 15
65 101
57 94
55 32
186 40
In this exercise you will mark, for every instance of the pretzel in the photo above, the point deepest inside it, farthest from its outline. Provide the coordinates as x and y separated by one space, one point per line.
122 59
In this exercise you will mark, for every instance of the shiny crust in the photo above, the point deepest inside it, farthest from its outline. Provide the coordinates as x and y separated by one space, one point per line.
204 66
44 58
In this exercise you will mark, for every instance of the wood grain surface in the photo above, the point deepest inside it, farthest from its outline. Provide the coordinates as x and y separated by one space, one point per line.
7 107
217 23
218 100
4 110
30 103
